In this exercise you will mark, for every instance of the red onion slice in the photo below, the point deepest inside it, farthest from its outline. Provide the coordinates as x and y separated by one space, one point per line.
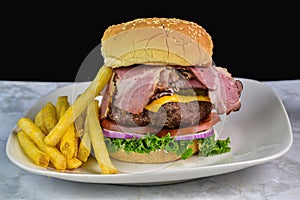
203 134
121 135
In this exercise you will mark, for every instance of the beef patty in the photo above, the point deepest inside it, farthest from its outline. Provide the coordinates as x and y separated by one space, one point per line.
170 115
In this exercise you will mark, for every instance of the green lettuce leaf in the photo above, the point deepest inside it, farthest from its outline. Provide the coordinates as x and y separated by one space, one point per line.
149 143
209 146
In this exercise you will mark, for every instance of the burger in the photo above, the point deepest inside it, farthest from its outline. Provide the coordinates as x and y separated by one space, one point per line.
166 94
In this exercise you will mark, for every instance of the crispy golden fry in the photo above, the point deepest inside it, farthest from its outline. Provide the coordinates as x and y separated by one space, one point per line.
85 144
80 133
62 104
79 121
97 138
81 103
73 163
76 144
56 157
38 120
49 116
39 157
67 143
35 133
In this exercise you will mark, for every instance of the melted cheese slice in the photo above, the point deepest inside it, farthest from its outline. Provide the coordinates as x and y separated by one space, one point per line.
155 105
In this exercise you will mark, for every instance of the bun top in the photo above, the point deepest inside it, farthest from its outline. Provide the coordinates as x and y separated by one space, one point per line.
160 41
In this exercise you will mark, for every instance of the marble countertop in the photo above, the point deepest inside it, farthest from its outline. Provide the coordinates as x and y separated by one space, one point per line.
276 179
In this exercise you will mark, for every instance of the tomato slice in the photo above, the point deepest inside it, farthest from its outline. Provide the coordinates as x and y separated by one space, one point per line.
204 125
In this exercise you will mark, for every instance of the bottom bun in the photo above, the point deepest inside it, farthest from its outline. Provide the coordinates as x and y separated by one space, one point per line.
158 156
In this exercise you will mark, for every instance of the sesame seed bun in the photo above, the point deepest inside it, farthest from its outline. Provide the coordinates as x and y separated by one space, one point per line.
160 41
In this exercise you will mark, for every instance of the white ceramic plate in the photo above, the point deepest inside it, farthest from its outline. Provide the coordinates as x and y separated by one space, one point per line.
259 132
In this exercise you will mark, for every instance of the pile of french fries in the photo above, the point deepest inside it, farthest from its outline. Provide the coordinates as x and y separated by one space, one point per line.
62 135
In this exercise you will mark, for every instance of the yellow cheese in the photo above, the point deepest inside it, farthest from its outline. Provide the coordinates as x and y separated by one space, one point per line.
156 104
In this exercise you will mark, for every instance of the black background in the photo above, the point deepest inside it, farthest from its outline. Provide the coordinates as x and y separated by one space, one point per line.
49 42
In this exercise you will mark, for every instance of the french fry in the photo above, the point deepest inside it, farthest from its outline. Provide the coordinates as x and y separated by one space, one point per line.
85 146
80 133
81 103
67 143
35 133
38 120
39 157
56 157
73 163
62 104
79 130
76 144
97 138
79 122
49 116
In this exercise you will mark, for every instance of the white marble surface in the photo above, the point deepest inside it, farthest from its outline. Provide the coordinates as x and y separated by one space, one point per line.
277 179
